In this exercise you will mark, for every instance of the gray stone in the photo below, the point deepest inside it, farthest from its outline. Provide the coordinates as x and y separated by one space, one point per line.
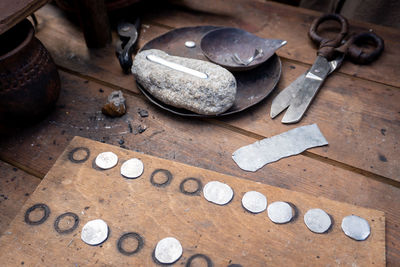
210 96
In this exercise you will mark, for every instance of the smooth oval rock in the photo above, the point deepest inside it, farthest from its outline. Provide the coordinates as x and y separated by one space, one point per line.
208 96
356 227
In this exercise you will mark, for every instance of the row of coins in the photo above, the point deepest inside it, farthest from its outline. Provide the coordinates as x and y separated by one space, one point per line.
316 220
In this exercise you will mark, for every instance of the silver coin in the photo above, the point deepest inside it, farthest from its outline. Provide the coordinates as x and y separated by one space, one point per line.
94 232
218 193
280 212
254 202
356 227
190 44
168 250
106 160
317 220
132 168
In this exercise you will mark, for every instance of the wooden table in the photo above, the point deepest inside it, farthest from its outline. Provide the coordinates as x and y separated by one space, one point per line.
357 110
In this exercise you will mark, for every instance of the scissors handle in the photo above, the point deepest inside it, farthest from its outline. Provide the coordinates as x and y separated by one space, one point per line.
327 46
358 54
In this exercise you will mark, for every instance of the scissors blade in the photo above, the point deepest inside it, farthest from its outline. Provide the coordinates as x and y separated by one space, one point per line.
285 97
307 90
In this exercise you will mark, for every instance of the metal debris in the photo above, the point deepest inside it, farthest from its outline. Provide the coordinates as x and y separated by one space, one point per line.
356 227
106 160
218 193
143 113
132 168
317 220
168 250
280 212
94 232
254 202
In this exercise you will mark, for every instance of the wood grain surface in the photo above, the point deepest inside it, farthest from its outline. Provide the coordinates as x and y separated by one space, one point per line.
226 234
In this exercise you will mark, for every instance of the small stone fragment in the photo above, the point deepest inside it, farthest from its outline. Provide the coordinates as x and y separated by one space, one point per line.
209 96
143 113
218 193
115 106
132 168
141 128
254 202
94 232
280 212
317 220
168 250
356 227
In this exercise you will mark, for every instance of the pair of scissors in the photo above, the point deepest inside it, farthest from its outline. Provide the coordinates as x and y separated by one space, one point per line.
297 96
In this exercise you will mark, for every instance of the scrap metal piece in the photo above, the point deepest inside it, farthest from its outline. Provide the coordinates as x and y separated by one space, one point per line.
94 232
115 106
317 220
254 202
356 227
106 160
280 212
255 156
132 168
218 193
168 250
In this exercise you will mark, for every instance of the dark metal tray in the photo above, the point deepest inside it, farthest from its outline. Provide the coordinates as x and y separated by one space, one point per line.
252 85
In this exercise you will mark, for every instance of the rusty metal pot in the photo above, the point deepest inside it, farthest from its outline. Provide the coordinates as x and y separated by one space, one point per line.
29 81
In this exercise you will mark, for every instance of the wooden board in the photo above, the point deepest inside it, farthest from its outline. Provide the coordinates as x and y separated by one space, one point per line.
226 234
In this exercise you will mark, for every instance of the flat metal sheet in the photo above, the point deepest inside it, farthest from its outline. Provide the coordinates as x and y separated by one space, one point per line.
255 156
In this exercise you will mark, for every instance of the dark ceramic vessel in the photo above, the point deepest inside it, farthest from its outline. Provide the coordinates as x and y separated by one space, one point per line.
29 81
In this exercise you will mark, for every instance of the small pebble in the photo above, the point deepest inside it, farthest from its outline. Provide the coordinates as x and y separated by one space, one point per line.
94 232
106 160
132 168
254 202
190 44
218 193
317 220
143 113
168 250
280 212
115 106
356 227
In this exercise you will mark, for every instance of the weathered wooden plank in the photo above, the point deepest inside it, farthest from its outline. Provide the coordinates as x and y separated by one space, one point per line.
194 142
201 227
15 188
273 20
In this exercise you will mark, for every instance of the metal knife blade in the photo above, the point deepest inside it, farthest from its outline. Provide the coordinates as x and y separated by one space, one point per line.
285 97
307 90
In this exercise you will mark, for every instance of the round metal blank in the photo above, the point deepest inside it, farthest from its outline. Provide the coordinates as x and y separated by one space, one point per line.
254 202
190 44
168 250
280 212
132 168
317 220
106 160
218 193
356 227
94 232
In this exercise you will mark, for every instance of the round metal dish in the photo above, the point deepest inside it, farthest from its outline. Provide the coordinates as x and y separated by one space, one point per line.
252 86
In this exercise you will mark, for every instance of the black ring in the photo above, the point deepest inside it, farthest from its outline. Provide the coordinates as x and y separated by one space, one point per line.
128 235
76 149
44 207
196 192
70 230
166 172
208 260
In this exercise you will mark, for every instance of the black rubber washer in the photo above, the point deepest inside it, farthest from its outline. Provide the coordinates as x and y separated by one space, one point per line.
196 192
44 207
130 235
166 172
208 260
70 230
76 149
